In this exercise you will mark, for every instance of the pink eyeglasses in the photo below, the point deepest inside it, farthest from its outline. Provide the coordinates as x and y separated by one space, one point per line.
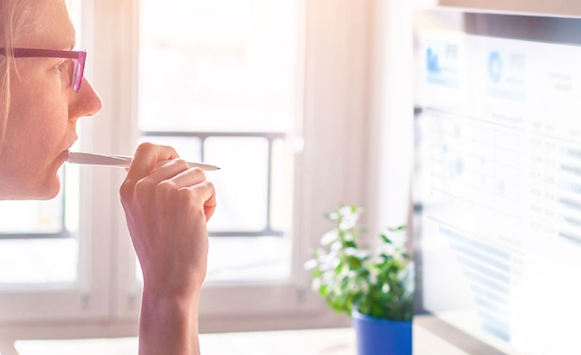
78 58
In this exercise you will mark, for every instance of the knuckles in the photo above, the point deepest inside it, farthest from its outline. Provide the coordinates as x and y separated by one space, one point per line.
148 148
181 163
198 174
166 191
145 147
126 190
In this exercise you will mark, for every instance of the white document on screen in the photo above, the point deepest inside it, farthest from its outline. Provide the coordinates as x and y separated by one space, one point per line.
500 179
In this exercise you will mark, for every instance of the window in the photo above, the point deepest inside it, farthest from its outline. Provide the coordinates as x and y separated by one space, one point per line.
38 239
217 80
245 86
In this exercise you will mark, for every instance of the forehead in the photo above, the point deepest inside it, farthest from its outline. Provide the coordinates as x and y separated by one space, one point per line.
48 26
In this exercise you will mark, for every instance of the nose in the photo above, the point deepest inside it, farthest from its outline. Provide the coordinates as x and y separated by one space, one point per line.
85 103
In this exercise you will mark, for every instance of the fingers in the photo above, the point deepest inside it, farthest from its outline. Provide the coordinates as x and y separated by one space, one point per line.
146 158
167 207
207 193
178 172
200 190
147 178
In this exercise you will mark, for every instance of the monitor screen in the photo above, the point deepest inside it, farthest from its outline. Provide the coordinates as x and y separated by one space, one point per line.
498 179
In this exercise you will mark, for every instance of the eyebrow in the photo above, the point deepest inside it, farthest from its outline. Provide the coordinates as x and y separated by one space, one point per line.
70 44
66 44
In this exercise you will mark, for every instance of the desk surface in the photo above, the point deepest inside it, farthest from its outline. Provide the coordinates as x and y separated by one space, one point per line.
339 341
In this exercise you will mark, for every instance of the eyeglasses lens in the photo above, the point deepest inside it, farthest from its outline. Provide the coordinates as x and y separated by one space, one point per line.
75 78
78 72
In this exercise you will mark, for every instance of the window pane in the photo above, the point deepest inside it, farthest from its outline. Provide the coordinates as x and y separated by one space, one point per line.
44 217
189 148
38 261
241 184
217 65
228 67
31 217
245 259
249 258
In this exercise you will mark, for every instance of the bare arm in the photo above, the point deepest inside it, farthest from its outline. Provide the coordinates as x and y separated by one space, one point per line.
168 326
167 208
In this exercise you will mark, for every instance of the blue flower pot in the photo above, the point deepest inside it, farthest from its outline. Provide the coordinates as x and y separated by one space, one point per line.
377 336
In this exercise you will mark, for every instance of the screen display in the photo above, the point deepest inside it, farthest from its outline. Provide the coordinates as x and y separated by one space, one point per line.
499 180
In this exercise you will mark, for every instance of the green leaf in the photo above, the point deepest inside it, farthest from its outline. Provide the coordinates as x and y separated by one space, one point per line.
339 265
396 229
386 239
354 262
346 275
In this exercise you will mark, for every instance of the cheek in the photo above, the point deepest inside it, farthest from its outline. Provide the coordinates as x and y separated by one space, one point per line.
37 132
38 128
35 139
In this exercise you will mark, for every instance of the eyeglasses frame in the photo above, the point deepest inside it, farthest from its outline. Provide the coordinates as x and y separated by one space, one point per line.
79 57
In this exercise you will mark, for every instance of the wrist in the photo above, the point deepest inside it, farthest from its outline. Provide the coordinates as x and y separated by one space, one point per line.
168 323
169 287
163 295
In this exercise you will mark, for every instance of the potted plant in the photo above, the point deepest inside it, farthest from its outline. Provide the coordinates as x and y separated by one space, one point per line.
375 289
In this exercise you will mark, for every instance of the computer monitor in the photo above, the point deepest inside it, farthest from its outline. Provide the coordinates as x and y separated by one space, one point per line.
498 180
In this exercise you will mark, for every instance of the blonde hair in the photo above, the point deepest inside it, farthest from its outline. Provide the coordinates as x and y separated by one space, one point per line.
16 16
7 13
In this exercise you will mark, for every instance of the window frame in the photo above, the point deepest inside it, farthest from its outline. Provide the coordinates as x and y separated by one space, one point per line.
284 298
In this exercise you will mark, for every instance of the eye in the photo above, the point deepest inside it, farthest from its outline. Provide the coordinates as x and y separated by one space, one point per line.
66 66
65 70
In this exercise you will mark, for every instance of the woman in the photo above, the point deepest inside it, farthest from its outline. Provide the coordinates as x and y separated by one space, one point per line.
42 95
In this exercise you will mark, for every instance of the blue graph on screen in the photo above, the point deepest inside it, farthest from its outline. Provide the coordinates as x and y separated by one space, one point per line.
494 66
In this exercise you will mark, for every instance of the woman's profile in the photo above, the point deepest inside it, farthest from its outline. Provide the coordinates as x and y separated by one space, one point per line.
43 94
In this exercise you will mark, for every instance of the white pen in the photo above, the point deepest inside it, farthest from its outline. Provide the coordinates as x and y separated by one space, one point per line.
120 161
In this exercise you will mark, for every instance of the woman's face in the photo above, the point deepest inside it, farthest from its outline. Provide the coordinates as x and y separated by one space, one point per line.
44 109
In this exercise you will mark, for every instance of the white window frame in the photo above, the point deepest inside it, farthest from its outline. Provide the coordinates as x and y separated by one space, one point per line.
332 169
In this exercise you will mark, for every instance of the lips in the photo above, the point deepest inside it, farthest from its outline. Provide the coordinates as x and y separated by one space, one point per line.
71 143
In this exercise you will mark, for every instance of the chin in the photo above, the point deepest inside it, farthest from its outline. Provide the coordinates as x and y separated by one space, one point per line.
43 193
50 191
46 190
37 188
29 194
48 195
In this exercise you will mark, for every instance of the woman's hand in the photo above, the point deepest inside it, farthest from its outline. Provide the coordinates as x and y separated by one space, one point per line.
167 207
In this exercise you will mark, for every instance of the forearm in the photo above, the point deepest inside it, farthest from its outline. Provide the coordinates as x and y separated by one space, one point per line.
168 324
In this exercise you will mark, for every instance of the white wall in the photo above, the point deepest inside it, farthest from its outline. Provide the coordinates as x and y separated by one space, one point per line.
391 113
